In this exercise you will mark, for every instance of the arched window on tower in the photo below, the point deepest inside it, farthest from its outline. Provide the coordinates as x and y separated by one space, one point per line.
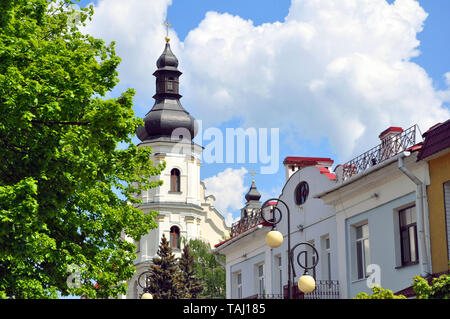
175 180
170 83
174 237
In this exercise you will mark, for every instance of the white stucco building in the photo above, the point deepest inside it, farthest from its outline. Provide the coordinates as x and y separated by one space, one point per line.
382 216
183 209
254 269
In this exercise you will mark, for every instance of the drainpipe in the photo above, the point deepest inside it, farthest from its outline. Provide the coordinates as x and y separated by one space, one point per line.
216 256
423 252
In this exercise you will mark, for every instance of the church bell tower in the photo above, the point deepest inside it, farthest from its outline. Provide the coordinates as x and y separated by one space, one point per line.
184 211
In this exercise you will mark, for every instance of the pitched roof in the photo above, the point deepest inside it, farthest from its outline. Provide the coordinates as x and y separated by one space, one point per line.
437 138
245 231
326 172
306 161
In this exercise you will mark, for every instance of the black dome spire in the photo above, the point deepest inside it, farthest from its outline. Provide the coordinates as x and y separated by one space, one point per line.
253 194
253 201
167 114
167 60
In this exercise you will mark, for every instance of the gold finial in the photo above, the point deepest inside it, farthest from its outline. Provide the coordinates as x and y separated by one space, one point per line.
167 24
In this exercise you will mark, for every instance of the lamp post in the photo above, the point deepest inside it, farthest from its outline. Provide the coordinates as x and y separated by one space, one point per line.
274 239
146 288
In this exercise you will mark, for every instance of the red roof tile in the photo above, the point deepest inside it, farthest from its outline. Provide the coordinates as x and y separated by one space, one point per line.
226 240
306 161
324 170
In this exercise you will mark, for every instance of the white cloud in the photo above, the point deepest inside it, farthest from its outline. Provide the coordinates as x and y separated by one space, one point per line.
137 28
447 78
229 190
335 69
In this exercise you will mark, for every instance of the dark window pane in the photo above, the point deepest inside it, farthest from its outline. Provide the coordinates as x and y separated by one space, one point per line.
329 265
402 215
406 257
359 260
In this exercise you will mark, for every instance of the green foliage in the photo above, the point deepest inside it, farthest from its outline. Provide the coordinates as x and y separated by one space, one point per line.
164 274
60 168
379 293
190 284
439 288
208 270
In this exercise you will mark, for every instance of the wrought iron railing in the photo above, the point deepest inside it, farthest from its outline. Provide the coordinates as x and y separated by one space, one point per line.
265 296
325 289
252 219
383 151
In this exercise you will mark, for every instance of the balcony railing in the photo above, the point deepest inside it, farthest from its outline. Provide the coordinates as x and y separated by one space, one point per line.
252 219
387 149
325 289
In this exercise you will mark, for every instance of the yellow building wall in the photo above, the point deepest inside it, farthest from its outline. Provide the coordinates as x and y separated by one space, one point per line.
439 174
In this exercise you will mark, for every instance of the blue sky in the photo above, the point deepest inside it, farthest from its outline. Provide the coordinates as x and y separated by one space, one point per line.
185 15
277 63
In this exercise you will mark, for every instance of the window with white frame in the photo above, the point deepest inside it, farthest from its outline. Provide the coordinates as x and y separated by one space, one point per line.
326 258
278 275
408 236
260 279
237 285
174 237
362 250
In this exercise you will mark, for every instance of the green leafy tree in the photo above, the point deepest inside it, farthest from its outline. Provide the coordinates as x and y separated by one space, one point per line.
210 272
190 284
379 293
439 288
66 190
164 274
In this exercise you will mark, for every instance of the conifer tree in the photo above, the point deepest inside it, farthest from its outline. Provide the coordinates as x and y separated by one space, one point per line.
190 284
164 273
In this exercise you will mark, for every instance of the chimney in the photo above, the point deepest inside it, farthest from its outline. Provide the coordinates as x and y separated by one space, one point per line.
390 144
293 163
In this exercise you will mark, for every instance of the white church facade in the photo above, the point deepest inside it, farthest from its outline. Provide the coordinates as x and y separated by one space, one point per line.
184 210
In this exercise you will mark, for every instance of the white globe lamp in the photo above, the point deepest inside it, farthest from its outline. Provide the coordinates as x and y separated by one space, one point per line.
274 239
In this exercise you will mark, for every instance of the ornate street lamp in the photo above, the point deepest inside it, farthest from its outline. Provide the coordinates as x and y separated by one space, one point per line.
146 288
274 239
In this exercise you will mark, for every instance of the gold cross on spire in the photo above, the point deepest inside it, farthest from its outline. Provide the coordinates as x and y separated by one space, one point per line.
253 173
167 24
